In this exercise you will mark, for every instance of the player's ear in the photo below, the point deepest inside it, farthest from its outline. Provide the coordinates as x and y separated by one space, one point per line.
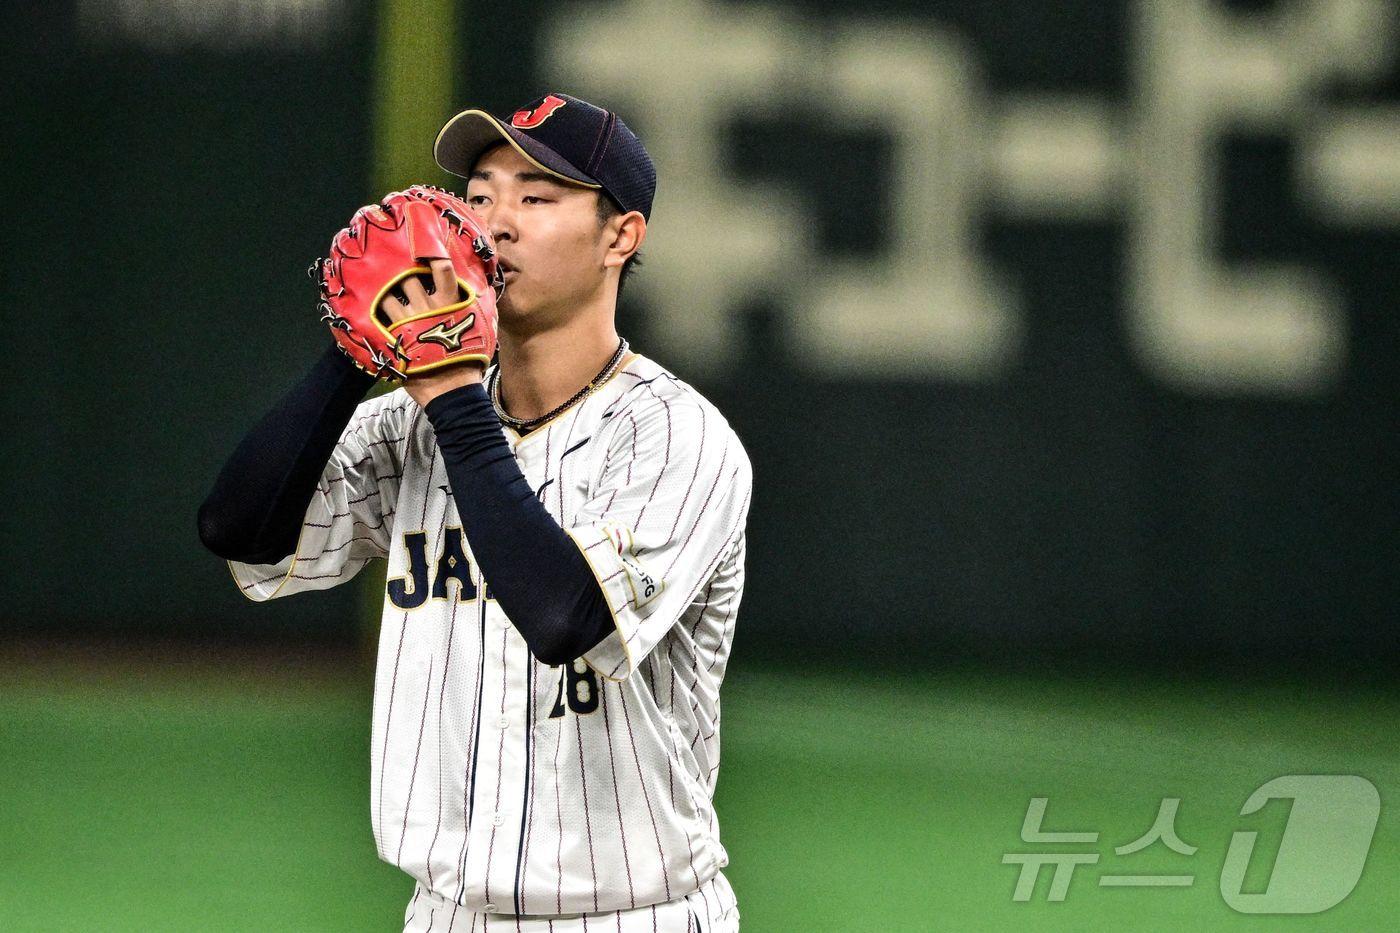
628 232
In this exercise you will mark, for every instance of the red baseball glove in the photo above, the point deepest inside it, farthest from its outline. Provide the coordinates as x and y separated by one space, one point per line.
386 243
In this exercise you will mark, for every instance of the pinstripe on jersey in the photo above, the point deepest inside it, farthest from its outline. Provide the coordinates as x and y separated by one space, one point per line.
501 784
712 909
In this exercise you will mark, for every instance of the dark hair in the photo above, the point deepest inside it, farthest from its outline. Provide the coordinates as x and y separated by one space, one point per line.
607 210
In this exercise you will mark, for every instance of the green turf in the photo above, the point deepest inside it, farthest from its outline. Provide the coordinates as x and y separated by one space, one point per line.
846 802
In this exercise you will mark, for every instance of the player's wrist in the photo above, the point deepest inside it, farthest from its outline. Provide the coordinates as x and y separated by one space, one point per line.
428 386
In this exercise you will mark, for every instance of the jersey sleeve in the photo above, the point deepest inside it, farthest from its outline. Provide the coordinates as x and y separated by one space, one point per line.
670 504
349 519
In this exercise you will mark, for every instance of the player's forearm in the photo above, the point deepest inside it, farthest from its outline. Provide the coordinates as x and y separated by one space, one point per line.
255 510
534 569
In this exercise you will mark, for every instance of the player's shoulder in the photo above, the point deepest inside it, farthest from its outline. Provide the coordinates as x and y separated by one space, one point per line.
662 403
383 415
648 390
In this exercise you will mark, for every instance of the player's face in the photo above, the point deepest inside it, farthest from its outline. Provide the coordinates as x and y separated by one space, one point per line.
547 234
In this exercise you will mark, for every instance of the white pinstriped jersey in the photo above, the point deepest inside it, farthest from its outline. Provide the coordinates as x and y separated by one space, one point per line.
500 783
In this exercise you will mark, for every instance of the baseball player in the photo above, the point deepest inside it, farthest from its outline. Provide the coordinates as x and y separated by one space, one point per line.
565 532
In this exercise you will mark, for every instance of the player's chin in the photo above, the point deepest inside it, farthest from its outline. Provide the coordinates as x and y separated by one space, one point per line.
519 320
528 311
509 309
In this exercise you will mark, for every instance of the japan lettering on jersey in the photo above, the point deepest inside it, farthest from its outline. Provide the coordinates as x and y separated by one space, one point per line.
501 783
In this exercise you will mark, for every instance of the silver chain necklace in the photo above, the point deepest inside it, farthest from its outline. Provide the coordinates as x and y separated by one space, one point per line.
520 424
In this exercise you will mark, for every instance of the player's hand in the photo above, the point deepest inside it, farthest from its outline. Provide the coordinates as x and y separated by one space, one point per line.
417 295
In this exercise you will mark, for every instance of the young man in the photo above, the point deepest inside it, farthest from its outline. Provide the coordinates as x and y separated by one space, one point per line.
565 537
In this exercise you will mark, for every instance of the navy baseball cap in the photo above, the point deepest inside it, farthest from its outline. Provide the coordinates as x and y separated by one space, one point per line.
574 140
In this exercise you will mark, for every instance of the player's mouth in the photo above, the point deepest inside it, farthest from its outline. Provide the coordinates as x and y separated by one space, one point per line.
506 268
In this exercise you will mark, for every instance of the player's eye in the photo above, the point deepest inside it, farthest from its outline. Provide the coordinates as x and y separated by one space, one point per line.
475 200
534 199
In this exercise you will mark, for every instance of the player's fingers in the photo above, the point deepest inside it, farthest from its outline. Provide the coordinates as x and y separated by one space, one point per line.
393 308
417 295
444 282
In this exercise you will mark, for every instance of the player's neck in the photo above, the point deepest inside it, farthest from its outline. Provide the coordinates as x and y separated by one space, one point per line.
542 370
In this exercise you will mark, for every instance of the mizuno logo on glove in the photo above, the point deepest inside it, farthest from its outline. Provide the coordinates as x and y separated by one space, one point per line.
449 337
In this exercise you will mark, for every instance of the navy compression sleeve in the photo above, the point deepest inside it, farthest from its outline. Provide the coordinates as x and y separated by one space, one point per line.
255 510
535 570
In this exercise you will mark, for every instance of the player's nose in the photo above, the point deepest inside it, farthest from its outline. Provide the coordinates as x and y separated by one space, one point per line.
497 220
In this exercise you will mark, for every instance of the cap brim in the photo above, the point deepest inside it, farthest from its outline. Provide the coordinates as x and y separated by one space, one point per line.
463 139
